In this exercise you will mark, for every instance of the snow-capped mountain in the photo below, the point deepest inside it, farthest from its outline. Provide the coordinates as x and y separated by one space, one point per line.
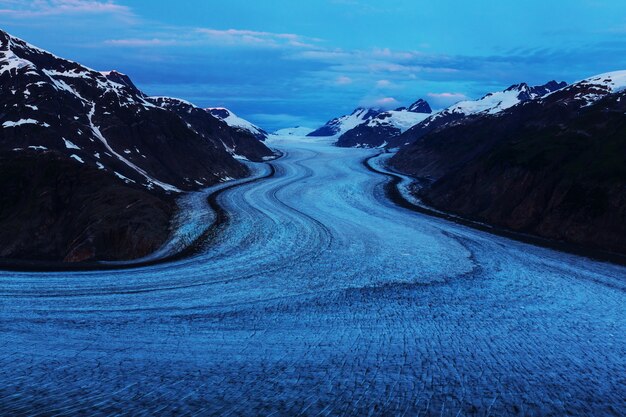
490 104
590 90
239 142
89 164
293 131
101 120
382 129
372 127
340 125
237 123
552 166
494 103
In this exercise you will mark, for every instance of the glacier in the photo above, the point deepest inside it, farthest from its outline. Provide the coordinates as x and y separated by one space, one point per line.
319 296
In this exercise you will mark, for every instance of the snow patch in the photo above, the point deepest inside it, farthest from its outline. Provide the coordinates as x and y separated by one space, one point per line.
24 122
69 145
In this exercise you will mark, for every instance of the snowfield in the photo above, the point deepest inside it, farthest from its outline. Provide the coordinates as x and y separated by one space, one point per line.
321 297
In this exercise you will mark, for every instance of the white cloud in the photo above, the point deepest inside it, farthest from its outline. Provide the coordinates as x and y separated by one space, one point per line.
140 42
257 38
446 99
343 80
383 103
42 8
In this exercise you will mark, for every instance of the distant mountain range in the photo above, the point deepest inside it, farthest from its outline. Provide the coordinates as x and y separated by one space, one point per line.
374 128
68 132
371 128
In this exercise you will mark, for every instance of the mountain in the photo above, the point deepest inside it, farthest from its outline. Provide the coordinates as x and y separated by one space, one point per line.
492 103
293 131
340 125
241 143
237 123
554 166
384 128
90 165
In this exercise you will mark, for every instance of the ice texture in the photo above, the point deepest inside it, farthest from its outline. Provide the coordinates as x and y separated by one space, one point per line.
321 297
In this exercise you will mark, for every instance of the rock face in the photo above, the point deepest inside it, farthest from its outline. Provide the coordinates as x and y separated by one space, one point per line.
552 166
112 155
54 209
239 142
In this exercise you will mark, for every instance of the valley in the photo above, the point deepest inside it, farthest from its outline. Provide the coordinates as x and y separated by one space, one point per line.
321 296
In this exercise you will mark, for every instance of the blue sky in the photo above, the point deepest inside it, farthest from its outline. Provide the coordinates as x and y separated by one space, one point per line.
283 62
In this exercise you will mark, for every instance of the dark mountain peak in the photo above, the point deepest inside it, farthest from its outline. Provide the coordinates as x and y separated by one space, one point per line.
517 87
122 79
420 106
547 88
4 39
366 113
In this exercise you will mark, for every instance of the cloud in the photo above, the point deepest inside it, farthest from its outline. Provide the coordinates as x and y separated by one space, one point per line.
343 80
257 38
446 99
133 42
42 8
383 83
383 103
229 38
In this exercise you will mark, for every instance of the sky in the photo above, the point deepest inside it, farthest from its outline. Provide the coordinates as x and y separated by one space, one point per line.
282 63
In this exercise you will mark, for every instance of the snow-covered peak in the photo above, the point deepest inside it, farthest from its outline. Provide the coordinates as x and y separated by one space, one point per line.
164 101
491 103
494 103
401 120
236 122
614 81
592 89
343 124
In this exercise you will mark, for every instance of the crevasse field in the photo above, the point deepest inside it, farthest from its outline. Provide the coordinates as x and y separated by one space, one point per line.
321 297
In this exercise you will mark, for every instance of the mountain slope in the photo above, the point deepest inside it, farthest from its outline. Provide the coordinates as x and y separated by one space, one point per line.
340 125
238 142
60 114
490 104
237 123
384 128
553 166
